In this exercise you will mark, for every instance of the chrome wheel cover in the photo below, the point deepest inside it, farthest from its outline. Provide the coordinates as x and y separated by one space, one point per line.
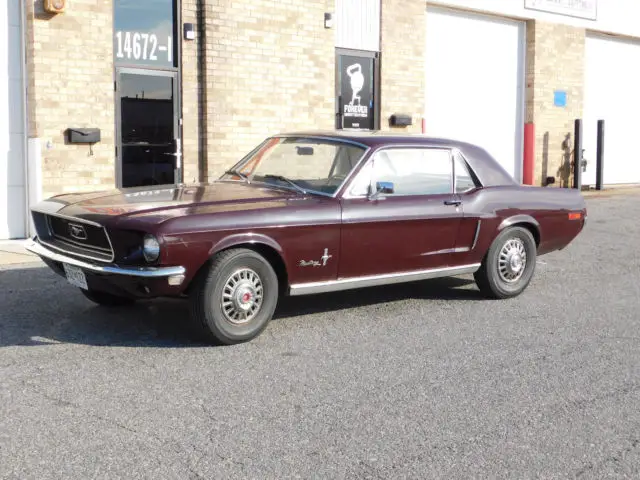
512 260
242 296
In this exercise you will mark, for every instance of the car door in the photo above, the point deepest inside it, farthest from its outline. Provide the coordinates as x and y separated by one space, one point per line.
413 225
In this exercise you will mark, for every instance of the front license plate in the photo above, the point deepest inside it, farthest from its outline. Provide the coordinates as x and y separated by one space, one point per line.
75 276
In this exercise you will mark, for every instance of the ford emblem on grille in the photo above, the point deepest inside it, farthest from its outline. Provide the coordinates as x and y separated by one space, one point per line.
77 231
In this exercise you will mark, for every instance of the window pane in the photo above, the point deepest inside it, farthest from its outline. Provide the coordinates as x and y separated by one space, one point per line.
143 33
415 171
312 164
464 180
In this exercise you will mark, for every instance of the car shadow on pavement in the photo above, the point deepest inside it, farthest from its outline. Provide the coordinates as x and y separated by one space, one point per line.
438 289
37 308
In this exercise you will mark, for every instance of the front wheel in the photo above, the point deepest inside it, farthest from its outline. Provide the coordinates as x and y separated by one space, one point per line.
235 299
509 264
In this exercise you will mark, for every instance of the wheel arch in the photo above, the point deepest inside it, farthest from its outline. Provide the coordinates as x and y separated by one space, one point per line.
266 246
526 221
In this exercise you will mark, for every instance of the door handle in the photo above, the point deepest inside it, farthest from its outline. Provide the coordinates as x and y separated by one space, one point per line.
453 202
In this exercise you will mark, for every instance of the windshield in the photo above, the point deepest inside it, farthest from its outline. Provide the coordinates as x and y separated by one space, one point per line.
299 163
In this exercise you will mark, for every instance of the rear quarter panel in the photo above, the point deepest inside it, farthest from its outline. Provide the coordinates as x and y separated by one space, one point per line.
488 210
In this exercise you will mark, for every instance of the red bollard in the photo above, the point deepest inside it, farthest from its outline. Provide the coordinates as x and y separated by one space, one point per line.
528 162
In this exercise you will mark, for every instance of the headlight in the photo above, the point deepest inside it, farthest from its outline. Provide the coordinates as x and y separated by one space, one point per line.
151 248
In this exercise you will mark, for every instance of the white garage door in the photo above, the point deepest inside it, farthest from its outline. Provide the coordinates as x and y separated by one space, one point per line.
612 93
12 150
475 82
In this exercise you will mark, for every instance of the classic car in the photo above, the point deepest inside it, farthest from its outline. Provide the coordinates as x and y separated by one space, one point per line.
308 213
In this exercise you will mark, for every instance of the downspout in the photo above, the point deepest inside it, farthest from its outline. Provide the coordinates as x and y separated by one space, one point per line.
25 119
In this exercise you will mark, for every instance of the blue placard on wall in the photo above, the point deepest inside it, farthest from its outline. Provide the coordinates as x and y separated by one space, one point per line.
560 98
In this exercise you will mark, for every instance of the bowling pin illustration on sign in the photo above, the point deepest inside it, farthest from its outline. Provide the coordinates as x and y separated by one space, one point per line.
357 81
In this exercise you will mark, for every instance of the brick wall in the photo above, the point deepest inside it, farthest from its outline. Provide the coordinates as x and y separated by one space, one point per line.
70 62
402 60
270 68
555 61
191 95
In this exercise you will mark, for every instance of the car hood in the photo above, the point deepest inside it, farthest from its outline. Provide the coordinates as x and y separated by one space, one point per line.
161 203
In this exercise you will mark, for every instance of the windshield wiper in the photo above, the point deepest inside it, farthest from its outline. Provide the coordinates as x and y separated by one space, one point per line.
286 180
239 174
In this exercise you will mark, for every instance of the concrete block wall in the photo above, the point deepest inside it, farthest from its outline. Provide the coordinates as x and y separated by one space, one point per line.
259 67
192 94
70 84
402 62
270 67
555 61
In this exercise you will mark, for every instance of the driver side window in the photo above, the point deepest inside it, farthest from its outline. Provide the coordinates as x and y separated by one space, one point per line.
412 171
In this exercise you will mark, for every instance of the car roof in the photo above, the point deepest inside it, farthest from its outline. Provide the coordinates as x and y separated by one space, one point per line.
375 138
487 168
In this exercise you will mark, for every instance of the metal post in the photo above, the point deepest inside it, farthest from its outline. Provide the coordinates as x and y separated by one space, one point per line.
577 155
600 155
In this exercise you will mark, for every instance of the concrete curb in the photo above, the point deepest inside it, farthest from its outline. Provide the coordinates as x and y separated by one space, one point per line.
12 253
612 191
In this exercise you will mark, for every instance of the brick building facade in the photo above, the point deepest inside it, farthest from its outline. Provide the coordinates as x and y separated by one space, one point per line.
257 67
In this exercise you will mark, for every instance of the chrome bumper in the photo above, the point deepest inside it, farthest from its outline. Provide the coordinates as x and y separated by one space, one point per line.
146 272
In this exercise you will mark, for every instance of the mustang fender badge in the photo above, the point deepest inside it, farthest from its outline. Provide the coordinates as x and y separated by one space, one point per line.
315 263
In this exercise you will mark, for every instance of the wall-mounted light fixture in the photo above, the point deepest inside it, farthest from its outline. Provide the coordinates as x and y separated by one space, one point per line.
328 20
189 31
54 6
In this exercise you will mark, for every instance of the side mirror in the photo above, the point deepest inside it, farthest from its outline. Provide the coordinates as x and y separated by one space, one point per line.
382 188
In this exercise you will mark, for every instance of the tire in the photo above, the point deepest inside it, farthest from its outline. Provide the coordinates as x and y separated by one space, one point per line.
250 287
500 281
106 299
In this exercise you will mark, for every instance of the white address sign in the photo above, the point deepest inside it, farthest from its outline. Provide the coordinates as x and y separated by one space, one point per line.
143 47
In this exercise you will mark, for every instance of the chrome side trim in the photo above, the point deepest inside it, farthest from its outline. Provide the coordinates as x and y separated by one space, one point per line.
475 238
378 280
446 250
146 272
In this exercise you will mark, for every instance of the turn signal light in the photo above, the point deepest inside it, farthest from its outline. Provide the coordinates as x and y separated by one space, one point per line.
575 216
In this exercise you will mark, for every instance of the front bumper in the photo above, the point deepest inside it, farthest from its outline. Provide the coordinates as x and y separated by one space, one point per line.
130 281
146 272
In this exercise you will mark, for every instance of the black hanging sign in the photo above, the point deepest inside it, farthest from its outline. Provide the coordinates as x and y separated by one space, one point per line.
356 91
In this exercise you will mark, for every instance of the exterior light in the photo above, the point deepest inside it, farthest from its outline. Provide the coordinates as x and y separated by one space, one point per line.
151 248
328 20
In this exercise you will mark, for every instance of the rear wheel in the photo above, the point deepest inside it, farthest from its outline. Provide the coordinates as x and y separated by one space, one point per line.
509 265
106 299
234 300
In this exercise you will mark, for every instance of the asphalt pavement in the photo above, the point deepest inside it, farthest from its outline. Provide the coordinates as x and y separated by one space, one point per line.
426 380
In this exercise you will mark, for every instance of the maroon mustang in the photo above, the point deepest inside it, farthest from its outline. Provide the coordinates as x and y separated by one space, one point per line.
306 213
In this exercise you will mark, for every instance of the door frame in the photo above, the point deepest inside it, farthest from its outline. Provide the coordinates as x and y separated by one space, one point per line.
376 85
177 117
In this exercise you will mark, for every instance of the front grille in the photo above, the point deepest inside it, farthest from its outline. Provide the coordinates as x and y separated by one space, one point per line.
77 238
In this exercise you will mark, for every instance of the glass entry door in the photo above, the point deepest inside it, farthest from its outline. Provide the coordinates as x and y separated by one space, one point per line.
148 146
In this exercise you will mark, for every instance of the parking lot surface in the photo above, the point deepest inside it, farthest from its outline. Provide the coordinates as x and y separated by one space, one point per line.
425 380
